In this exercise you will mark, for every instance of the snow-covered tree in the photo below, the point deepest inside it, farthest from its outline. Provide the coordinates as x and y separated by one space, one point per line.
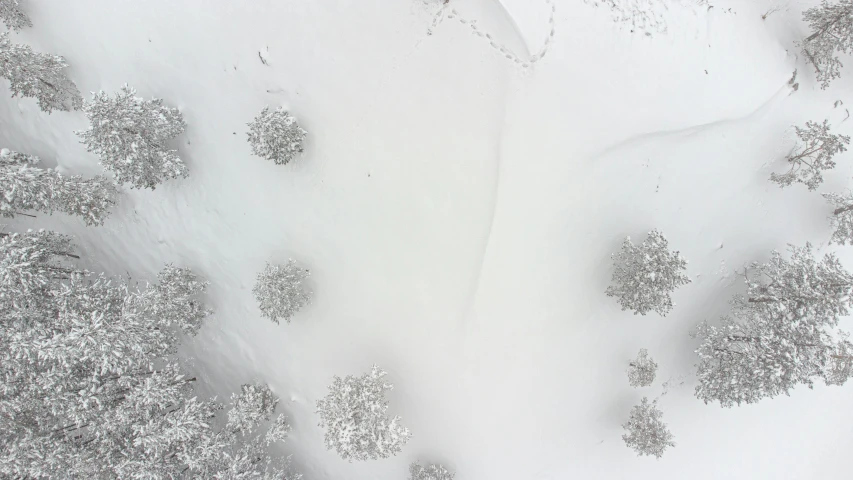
842 217
27 187
355 417
645 275
255 404
831 24
38 75
647 433
780 334
90 386
275 135
279 291
812 155
130 135
430 472
13 16
642 370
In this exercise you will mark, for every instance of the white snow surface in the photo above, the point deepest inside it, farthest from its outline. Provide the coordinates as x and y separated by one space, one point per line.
458 212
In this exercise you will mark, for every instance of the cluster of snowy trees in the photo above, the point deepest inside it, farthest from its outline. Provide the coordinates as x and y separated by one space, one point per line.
90 385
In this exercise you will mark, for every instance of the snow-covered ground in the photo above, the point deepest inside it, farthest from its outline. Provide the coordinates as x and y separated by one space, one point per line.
457 212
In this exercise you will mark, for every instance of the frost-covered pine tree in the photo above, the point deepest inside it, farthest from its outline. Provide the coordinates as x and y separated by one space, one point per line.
831 24
26 187
780 334
275 135
280 292
37 75
354 414
642 370
130 136
647 433
430 472
812 155
13 16
90 386
842 217
645 275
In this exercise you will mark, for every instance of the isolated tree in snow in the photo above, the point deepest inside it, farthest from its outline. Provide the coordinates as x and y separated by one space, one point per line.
430 472
130 135
13 16
642 370
780 334
842 217
38 75
355 417
645 275
647 433
26 187
275 135
831 24
812 155
89 385
279 291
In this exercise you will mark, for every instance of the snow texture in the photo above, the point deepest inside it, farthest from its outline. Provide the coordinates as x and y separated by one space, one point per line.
354 415
280 291
130 136
647 433
644 276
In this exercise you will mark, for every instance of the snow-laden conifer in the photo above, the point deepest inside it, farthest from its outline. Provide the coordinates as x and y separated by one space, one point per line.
354 414
430 472
781 333
831 24
645 275
37 75
24 187
812 155
642 370
647 433
275 135
13 16
280 291
842 217
130 136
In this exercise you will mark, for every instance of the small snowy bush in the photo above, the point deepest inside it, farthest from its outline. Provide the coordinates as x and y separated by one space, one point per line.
37 75
355 417
645 275
279 291
832 34
430 472
647 433
641 372
275 135
842 217
130 136
27 187
812 155
13 16
255 404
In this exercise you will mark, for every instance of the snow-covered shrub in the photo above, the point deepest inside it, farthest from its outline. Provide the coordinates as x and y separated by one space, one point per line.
430 472
647 433
645 275
842 217
279 291
26 187
275 135
832 34
781 333
642 370
355 417
812 155
130 136
13 16
91 388
37 75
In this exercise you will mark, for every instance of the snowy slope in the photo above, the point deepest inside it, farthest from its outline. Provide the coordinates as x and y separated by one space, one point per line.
457 212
